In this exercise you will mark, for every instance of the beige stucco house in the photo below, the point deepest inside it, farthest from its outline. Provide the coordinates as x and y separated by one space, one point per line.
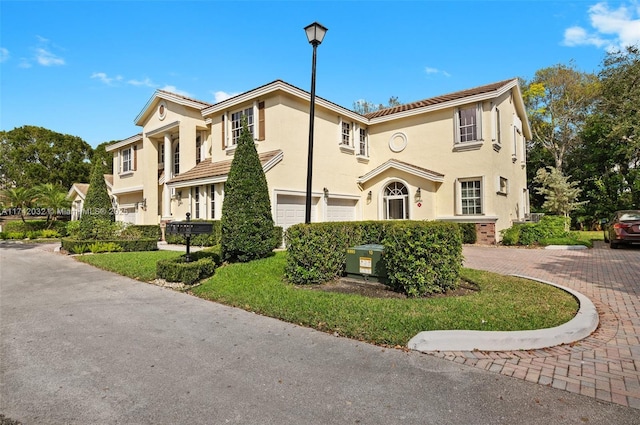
457 157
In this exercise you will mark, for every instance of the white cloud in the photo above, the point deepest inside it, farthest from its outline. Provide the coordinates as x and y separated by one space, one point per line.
4 54
219 96
612 28
105 78
431 71
146 83
46 58
174 89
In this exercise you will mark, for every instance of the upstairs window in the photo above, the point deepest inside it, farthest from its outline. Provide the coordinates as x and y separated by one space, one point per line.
362 147
346 134
127 160
468 126
236 124
176 159
198 149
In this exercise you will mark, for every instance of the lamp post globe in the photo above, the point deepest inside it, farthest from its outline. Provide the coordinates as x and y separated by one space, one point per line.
315 34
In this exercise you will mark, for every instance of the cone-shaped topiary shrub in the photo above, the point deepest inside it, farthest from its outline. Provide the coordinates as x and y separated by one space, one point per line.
247 224
97 213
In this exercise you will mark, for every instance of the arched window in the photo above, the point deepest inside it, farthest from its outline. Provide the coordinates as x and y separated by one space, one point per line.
396 201
176 159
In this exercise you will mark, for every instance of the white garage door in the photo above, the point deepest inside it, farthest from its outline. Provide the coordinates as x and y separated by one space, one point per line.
341 210
290 210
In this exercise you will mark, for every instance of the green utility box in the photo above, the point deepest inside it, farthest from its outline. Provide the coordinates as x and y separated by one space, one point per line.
365 262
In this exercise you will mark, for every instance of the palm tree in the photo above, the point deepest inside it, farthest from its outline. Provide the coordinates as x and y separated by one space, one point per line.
52 198
19 198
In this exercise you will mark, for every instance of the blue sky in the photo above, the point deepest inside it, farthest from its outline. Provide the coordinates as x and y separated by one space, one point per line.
87 68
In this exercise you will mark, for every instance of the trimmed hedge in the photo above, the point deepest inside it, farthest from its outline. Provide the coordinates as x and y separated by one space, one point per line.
423 258
147 231
469 234
203 264
74 245
420 257
317 251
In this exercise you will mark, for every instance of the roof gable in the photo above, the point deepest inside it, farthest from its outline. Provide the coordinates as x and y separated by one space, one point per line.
402 166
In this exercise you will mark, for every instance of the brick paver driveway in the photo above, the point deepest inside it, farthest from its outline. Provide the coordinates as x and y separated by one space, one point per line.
605 365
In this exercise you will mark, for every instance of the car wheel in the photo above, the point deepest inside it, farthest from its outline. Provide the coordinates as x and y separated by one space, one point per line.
614 245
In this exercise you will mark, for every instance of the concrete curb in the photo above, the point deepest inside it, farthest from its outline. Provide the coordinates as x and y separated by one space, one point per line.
581 326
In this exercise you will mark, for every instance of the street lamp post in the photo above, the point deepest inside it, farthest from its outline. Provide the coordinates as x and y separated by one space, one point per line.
315 35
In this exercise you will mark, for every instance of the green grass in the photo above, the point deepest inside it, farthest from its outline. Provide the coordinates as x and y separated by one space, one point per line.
502 303
136 265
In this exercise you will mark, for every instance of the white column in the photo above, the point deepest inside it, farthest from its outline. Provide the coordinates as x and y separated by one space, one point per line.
168 174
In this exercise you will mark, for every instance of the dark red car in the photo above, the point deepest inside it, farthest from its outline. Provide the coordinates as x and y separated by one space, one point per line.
622 228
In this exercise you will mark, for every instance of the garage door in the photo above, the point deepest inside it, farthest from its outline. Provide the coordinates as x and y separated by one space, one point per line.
290 210
341 210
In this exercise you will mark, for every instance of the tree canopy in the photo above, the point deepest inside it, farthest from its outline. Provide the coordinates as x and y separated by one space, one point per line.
559 99
31 155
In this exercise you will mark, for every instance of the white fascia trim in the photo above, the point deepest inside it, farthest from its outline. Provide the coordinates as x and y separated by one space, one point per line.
450 104
273 161
75 190
469 218
123 143
292 192
198 182
170 97
402 167
130 189
162 130
287 88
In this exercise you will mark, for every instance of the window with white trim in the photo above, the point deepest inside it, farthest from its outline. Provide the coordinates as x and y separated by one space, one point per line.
346 134
126 156
196 200
468 124
176 159
161 156
236 124
362 146
395 202
212 201
470 196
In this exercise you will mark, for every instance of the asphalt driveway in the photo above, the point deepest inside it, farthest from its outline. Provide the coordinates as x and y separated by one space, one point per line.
83 346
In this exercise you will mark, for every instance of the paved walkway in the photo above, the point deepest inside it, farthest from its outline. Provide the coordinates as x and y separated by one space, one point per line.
606 365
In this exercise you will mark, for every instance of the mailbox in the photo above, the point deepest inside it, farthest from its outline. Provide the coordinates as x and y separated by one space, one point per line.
189 228
365 262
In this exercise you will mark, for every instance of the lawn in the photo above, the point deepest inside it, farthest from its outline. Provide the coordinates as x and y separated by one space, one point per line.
502 302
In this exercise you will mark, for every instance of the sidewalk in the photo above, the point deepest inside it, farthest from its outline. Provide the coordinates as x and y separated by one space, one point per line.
606 365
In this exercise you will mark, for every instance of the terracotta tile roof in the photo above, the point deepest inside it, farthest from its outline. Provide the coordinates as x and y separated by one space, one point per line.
109 178
439 99
207 169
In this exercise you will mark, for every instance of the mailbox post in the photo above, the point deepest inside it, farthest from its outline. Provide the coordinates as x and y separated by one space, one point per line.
187 229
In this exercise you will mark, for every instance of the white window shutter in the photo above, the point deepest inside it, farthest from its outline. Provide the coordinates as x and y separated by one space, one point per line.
479 122
456 126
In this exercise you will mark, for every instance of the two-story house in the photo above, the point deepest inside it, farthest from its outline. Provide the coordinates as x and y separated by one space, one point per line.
457 157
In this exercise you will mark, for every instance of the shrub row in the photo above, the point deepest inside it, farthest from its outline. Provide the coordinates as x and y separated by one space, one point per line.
76 245
31 234
18 226
147 231
420 257
203 264
548 227
213 239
